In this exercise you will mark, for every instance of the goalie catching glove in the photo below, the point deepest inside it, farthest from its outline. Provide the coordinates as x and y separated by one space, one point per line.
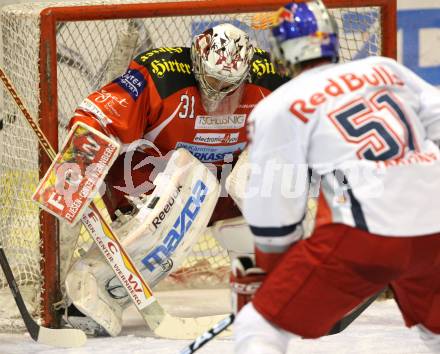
76 173
245 280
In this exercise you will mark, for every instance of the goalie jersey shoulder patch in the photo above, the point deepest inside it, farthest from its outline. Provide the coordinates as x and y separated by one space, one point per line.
169 67
263 72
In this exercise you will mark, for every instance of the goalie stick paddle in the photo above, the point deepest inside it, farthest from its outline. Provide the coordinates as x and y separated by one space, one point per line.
207 336
160 322
65 337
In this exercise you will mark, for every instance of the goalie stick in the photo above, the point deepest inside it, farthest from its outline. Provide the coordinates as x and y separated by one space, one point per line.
66 337
207 336
160 322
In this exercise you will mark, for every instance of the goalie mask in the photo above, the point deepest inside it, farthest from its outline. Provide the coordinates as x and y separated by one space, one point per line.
221 56
302 32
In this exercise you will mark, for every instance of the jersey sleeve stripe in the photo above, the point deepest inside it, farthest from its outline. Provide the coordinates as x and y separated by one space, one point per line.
273 231
356 207
279 241
358 214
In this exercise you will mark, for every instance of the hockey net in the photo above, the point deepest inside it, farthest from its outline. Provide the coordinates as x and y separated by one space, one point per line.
57 53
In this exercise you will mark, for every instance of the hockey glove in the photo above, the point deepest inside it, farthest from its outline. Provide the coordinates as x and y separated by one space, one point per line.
245 280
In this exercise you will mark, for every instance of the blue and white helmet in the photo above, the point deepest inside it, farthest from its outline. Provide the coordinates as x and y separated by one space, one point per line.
304 31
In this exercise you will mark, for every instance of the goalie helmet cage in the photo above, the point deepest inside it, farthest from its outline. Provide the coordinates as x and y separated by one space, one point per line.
56 53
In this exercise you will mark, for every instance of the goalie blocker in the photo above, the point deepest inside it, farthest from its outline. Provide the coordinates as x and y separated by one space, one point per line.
76 173
158 238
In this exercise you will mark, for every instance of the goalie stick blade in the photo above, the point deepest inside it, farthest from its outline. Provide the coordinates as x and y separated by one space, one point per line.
65 338
187 328
167 326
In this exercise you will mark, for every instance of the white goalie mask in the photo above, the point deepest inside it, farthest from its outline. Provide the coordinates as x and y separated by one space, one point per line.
221 56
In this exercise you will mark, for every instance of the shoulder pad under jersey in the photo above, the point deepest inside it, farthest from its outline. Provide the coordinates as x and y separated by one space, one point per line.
263 72
169 67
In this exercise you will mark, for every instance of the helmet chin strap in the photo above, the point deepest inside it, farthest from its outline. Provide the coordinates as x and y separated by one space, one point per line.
225 105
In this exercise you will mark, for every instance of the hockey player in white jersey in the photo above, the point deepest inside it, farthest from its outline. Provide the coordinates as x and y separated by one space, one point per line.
367 131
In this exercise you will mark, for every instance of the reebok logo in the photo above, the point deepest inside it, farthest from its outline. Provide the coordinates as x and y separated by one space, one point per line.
166 209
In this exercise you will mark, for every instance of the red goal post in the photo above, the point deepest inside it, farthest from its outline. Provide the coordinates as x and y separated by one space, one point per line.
55 55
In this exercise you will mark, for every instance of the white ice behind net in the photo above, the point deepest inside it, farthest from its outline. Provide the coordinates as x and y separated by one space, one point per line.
86 52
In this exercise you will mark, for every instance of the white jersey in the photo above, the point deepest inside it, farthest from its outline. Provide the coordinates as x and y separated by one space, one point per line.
365 129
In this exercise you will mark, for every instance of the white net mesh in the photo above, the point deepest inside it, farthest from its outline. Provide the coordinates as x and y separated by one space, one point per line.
89 54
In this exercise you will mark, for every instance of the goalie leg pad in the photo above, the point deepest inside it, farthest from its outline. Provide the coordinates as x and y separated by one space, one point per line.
234 235
237 179
158 238
91 298
68 240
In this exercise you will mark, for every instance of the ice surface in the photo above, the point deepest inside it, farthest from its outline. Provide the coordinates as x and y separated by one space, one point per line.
379 330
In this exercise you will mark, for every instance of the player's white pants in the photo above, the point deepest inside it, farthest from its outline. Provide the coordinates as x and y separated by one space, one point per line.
432 340
255 335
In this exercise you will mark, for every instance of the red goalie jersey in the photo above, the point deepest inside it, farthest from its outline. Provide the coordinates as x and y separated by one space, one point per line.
157 99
